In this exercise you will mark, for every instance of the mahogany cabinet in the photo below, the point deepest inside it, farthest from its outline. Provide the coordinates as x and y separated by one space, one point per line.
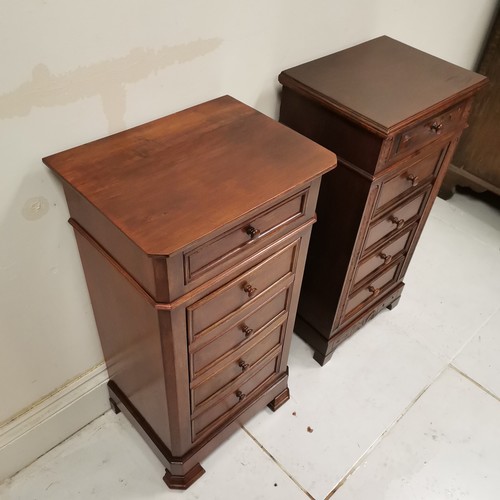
193 231
393 115
476 163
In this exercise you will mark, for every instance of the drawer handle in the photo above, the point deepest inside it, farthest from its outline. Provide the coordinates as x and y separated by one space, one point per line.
436 127
374 291
399 222
246 330
413 179
240 395
249 289
244 366
386 258
252 232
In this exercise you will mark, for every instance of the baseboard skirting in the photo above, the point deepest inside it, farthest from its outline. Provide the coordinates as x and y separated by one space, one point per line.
53 420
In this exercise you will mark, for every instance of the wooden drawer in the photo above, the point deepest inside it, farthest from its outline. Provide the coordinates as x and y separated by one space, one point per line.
245 289
420 171
230 404
373 289
155 273
241 365
214 253
389 252
401 216
241 330
429 130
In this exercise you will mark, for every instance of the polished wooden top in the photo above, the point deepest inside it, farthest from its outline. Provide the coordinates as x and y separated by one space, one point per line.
174 180
382 84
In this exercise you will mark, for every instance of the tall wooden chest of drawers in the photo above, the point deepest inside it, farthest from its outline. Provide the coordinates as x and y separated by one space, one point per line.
193 231
393 115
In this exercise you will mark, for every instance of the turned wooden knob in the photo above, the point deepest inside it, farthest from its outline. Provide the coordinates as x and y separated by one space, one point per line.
436 127
240 395
243 365
247 330
399 222
374 291
249 289
252 232
386 258
413 179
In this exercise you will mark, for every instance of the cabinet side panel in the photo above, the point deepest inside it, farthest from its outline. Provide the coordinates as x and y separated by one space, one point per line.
130 336
341 204
339 135
124 251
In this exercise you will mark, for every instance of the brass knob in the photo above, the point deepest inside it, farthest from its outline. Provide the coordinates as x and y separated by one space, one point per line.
374 291
406 138
436 127
246 330
240 395
249 289
399 222
386 258
243 365
252 232
413 179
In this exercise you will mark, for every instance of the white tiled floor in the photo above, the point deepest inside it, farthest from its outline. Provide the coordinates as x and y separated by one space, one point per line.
408 408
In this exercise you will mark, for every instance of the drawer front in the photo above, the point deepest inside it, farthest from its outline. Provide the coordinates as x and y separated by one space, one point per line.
411 177
373 289
429 130
228 245
239 332
230 404
393 249
243 363
396 219
242 291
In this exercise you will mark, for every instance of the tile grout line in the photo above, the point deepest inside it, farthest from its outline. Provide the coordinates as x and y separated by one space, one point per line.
382 436
261 446
484 389
484 323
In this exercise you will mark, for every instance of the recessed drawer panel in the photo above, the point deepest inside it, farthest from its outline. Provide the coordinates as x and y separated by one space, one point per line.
238 366
215 252
245 289
387 254
239 332
429 130
227 406
411 177
373 289
396 219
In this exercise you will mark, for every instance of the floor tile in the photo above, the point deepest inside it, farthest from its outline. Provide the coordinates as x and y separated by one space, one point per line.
108 460
338 411
446 447
452 288
474 205
479 220
480 358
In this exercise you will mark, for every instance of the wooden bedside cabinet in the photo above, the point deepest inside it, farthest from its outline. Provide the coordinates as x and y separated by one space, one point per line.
476 163
193 230
393 115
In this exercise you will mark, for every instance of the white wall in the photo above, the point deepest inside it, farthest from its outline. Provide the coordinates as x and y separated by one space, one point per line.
73 71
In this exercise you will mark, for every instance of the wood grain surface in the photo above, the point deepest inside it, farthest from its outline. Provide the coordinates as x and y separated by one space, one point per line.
170 182
382 84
